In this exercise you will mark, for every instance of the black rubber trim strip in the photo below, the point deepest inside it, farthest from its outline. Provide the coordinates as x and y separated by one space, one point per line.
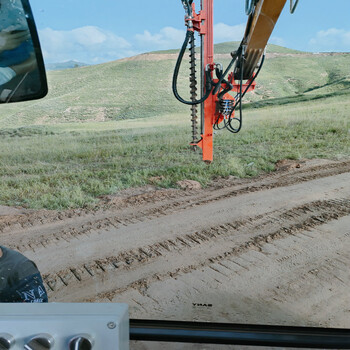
239 334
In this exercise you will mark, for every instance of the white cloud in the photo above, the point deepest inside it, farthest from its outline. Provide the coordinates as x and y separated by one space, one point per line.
277 41
87 44
172 38
91 44
166 38
224 32
331 40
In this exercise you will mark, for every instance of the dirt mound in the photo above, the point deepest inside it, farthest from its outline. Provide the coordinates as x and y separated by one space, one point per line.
189 185
287 164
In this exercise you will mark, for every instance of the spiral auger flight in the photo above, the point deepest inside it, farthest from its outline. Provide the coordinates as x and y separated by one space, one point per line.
193 90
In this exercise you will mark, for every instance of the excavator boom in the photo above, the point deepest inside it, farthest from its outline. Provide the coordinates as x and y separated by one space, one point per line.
260 25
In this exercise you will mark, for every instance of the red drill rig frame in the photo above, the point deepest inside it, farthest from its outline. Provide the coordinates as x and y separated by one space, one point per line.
217 104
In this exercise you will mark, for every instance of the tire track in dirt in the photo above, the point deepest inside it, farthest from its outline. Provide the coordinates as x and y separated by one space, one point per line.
280 224
297 280
132 246
44 228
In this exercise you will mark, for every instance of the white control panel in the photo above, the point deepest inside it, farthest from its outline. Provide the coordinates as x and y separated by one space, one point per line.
64 326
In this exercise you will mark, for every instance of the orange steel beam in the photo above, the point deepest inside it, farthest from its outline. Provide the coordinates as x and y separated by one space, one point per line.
209 105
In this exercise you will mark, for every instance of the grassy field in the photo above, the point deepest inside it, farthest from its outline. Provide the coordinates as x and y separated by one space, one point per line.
95 135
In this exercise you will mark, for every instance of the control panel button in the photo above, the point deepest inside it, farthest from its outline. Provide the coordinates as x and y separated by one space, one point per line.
6 341
81 342
40 342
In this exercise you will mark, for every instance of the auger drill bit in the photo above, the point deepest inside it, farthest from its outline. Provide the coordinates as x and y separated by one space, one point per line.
193 90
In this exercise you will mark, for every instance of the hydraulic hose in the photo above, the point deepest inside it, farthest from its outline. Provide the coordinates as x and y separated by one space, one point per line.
187 4
293 5
239 97
229 126
228 84
234 57
249 6
208 84
256 74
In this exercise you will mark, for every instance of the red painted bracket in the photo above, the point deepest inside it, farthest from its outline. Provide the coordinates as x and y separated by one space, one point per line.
236 86
197 20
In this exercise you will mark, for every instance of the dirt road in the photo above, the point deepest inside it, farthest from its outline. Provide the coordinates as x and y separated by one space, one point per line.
274 249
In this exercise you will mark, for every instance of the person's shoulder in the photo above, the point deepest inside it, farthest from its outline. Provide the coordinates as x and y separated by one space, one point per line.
19 262
10 253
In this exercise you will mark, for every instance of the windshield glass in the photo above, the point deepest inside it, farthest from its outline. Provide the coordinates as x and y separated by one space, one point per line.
102 189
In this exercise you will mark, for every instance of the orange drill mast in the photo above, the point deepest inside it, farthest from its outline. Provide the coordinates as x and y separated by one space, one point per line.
217 104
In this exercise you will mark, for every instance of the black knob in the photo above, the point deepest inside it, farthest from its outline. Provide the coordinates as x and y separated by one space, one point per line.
6 341
40 342
80 342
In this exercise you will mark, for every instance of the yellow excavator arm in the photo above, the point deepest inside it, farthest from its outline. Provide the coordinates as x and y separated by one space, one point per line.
260 25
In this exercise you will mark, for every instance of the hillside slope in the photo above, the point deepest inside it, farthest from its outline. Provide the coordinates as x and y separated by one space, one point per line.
65 65
140 86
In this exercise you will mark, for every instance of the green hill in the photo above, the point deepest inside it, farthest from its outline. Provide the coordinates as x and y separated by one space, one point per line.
229 46
65 65
140 87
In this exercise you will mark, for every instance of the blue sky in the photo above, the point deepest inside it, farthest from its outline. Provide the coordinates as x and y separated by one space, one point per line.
95 31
